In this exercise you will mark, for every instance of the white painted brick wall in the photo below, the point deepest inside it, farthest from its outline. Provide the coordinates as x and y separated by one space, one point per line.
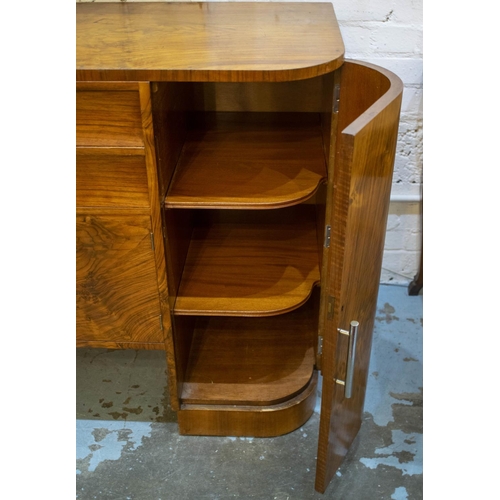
389 33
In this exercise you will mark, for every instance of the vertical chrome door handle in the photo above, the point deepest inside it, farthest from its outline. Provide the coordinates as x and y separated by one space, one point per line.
351 358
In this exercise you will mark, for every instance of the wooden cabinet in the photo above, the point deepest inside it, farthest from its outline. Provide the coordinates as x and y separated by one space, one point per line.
233 181
120 263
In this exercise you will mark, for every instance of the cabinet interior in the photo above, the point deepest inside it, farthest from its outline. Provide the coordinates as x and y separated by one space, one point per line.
242 171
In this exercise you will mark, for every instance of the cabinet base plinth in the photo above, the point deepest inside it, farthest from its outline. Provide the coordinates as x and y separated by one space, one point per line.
249 421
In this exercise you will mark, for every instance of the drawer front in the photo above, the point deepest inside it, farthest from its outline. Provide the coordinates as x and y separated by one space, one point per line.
104 179
116 286
108 118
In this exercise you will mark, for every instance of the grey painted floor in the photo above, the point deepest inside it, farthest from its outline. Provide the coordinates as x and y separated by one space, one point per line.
128 447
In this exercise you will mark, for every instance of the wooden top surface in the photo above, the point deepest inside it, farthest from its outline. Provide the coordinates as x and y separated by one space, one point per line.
206 41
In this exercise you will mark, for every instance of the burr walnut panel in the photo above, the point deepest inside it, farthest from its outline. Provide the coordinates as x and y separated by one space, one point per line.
116 288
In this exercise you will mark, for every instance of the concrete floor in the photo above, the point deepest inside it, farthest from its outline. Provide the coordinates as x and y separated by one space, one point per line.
128 447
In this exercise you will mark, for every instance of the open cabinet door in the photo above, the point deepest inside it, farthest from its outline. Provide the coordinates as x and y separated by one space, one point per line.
368 117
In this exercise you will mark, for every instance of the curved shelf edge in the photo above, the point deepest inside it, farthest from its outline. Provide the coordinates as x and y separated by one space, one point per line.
261 312
251 421
244 204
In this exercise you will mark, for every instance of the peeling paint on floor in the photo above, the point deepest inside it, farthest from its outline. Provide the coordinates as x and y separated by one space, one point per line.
405 454
395 343
99 441
400 494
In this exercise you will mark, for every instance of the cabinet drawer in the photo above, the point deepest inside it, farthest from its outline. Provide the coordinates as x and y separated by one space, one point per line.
107 179
108 118
116 284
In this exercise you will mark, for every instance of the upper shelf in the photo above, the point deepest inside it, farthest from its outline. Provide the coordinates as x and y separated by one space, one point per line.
249 160
208 41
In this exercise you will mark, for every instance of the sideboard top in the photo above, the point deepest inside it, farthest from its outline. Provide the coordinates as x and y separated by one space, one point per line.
214 41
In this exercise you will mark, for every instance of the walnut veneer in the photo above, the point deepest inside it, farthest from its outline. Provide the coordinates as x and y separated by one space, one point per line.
233 180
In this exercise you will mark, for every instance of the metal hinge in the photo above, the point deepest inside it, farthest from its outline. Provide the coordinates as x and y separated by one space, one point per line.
320 345
328 232
161 322
336 97
152 241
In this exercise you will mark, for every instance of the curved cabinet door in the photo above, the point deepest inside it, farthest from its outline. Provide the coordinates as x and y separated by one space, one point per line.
368 117
116 286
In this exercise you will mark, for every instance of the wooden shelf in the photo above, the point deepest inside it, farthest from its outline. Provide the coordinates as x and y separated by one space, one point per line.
249 160
234 360
251 266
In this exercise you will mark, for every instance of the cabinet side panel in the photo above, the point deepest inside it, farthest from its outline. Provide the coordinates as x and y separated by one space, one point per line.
169 104
361 189
183 331
155 198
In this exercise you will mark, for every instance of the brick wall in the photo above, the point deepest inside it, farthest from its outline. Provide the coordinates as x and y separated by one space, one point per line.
389 33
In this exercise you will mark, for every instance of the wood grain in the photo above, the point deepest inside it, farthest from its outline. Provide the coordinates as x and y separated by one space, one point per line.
249 160
110 180
169 104
299 96
116 289
235 420
108 118
362 184
239 285
157 233
104 344
106 86
206 41
330 122
251 361
183 331
251 269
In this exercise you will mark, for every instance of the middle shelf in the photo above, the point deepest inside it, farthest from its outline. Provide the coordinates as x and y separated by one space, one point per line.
249 263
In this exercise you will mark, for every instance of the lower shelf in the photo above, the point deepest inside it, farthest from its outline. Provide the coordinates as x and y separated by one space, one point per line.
251 361
249 421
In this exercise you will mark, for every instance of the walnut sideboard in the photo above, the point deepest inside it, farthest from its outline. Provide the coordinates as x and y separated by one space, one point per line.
233 178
